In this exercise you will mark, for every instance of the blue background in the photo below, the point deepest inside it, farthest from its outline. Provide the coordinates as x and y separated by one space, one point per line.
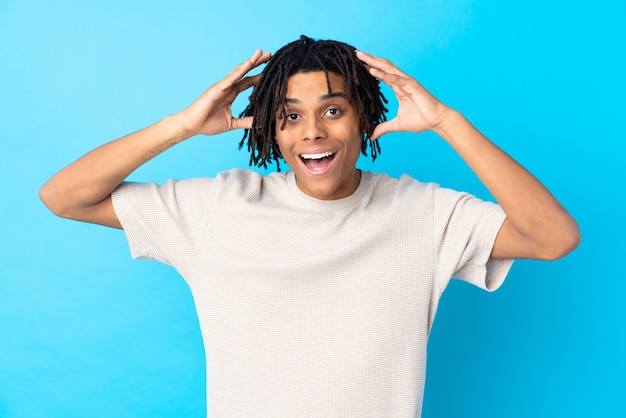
87 332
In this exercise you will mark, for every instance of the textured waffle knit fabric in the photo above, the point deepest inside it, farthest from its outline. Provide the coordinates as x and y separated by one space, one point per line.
313 308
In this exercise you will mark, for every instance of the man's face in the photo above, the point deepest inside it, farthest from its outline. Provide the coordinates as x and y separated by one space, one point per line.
321 140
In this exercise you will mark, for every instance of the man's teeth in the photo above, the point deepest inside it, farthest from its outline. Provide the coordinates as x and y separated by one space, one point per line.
316 156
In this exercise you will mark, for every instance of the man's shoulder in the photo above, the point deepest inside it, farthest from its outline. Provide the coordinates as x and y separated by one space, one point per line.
237 183
246 174
385 182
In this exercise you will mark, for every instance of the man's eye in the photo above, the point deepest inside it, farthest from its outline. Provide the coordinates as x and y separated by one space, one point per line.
292 116
333 112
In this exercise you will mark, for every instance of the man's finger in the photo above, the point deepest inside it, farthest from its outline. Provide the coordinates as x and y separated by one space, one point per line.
241 123
246 82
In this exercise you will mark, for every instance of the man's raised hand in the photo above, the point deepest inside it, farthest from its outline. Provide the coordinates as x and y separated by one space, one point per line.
418 110
211 113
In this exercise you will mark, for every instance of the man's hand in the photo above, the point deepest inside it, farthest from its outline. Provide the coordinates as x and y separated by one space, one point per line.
418 110
211 113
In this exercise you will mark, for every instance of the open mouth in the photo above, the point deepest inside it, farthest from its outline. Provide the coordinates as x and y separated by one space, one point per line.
319 161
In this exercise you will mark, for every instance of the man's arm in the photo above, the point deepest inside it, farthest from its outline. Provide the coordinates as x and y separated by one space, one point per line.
82 190
537 226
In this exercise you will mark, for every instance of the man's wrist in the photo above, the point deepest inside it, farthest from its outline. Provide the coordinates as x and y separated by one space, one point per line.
449 120
176 129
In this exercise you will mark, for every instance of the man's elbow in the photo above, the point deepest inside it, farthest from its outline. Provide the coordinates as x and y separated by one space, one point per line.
53 200
564 241
47 197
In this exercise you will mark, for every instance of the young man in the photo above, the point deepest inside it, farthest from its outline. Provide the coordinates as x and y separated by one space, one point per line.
316 288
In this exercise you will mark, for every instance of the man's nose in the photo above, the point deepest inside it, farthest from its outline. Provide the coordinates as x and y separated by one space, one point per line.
313 129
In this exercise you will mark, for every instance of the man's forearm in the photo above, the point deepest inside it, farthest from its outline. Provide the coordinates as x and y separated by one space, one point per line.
92 178
543 227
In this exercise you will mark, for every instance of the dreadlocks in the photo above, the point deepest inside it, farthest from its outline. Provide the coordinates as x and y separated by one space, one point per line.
306 55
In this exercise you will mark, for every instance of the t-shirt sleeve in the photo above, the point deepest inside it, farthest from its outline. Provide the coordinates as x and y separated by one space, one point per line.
165 222
465 232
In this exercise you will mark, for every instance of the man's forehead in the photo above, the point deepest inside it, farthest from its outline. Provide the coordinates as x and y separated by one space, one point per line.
333 84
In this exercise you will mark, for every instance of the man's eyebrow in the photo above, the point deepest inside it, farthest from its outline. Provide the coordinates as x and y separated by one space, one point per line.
333 95
321 98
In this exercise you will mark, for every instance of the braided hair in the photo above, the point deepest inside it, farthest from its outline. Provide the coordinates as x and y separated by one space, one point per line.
301 56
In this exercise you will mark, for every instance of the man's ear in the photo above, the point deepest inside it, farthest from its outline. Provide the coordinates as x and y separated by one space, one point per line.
362 127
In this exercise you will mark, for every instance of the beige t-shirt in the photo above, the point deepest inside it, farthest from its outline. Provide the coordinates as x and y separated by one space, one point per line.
313 308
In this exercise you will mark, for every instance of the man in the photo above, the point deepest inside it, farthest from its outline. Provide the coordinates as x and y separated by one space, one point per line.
316 288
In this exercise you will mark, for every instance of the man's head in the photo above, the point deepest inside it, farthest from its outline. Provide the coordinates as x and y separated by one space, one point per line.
267 101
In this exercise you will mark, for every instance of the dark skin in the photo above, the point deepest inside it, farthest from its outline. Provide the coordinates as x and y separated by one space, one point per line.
537 225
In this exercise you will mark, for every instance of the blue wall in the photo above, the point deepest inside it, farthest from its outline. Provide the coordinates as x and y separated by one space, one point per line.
87 332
